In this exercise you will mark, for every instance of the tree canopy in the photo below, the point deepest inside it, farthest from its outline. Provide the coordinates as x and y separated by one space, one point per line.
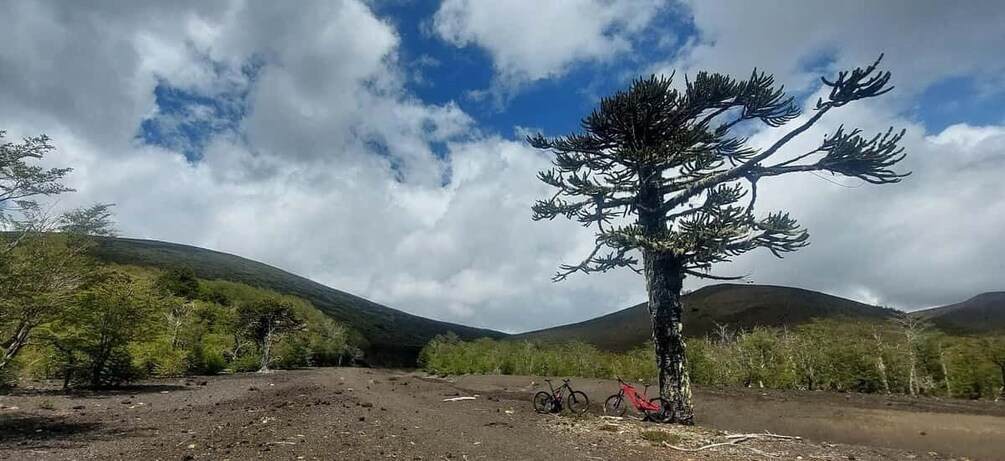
666 172
673 157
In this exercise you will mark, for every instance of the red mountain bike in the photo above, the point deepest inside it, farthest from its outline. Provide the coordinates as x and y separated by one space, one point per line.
656 409
551 402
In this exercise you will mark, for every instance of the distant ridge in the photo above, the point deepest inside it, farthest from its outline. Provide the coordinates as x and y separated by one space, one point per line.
984 313
736 305
394 337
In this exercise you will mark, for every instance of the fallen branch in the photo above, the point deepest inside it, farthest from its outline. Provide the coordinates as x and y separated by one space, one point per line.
737 439
764 434
705 447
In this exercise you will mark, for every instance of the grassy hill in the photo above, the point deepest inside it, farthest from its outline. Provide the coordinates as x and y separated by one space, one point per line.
393 337
984 313
738 306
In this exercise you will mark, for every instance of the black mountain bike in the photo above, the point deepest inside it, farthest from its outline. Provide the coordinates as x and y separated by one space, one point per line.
551 402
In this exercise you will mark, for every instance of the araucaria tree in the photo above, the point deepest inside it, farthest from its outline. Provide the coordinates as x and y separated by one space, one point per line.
661 172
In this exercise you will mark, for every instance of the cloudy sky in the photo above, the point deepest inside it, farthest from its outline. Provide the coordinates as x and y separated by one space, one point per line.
376 146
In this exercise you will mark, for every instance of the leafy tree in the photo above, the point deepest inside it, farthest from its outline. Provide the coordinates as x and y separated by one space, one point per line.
994 350
180 281
265 321
21 182
112 312
38 281
662 172
95 220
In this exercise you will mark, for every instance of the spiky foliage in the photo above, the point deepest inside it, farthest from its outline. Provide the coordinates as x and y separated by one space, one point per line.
671 159
660 171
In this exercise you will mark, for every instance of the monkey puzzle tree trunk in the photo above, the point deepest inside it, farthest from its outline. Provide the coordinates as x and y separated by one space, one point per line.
664 280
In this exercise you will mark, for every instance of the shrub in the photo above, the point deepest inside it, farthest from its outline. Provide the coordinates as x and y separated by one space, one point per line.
246 363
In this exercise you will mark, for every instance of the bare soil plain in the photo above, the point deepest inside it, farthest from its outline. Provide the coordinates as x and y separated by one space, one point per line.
354 413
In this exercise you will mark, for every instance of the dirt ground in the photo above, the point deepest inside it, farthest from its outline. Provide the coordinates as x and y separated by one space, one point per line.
352 413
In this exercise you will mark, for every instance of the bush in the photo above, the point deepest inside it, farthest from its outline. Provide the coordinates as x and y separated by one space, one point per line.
206 362
837 355
246 363
172 363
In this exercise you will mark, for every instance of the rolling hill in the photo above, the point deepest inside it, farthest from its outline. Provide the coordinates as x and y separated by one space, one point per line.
739 306
984 313
394 338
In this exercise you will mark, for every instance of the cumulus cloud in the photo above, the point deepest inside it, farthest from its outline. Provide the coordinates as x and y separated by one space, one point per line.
337 172
919 243
926 241
530 40
332 174
924 41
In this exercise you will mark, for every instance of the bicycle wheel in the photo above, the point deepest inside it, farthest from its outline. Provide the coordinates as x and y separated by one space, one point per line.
615 405
578 402
543 402
665 412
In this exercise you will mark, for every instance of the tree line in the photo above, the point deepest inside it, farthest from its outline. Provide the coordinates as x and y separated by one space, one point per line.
65 315
902 356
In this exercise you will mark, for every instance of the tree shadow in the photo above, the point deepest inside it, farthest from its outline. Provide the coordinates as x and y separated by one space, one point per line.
21 431
24 427
97 393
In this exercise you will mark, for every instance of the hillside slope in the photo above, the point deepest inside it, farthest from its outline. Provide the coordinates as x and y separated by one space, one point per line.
984 313
738 306
394 337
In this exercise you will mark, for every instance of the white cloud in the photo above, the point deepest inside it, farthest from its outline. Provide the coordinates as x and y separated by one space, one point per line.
924 41
334 176
306 192
531 40
919 243
926 241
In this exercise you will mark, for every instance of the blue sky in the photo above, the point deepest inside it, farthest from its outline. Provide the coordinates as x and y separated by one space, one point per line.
438 72
375 146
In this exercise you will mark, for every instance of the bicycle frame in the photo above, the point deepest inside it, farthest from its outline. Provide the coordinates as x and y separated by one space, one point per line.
639 400
557 392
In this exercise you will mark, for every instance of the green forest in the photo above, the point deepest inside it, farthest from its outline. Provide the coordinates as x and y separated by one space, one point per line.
65 316
905 356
